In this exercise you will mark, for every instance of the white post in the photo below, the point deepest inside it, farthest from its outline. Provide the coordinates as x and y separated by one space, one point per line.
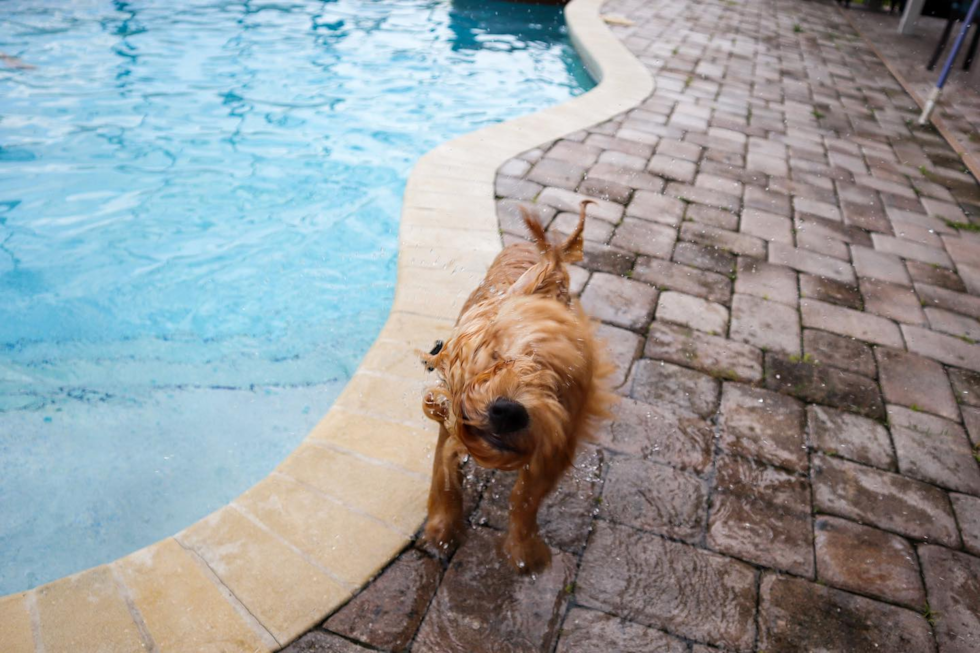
913 9
930 105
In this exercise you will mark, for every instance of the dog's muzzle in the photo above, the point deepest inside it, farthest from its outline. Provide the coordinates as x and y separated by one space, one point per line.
506 416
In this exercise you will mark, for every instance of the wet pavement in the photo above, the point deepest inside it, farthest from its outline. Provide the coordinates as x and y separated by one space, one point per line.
788 276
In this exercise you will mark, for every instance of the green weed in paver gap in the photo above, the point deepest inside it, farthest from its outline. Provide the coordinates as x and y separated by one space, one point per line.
570 588
805 358
688 81
797 28
724 375
818 114
962 226
675 51
967 339
915 408
930 615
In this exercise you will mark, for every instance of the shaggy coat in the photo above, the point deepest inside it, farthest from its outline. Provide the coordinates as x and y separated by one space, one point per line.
522 381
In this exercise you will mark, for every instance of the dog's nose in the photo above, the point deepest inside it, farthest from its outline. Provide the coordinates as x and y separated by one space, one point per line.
507 416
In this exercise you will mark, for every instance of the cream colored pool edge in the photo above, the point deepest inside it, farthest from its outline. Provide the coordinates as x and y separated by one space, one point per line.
261 571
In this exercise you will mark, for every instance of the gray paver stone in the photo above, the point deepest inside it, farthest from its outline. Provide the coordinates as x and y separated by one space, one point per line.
655 498
770 282
889 501
658 432
848 322
656 207
763 424
737 243
868 561
953 584
811 263
828 290
717 356
934 276
655 381
891 300
850 436
870 263
565 518
954 324
619 301
690 281
824 385
644 237
967 511
692 312
664 584
912 380
458 619
762 515
824 348
933 449
388 612
943 348
797 615
317 641
711 259
588 631
769 325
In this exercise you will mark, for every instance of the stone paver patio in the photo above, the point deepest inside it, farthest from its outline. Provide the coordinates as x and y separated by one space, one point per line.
788 277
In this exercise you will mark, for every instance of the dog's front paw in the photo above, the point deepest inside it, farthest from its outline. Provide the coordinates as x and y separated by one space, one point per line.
527 556
441 535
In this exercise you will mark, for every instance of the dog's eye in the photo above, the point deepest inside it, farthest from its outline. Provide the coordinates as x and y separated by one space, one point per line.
437 348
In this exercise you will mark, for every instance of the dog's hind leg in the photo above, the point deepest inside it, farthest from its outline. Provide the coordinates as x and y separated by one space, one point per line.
523 546
445 496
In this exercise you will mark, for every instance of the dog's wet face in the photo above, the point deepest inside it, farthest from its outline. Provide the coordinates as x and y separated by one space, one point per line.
502 388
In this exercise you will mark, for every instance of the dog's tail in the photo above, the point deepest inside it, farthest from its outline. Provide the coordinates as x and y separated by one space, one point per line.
569 251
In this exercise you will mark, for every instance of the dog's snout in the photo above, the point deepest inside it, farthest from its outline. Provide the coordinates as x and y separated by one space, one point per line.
507 416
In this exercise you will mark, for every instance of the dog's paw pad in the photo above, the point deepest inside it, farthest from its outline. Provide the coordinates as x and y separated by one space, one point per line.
529 556
440 538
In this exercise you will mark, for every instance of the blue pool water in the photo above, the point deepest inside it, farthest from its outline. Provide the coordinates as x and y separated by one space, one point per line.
198 229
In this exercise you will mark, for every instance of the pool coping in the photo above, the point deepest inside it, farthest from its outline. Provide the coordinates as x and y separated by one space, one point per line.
260 571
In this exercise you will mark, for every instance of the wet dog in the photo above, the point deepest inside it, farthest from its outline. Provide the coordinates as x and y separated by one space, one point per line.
522 381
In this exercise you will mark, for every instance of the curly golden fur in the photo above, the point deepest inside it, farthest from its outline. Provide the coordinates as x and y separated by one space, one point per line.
522 381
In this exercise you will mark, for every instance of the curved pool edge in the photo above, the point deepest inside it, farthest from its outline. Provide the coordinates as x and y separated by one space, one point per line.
259 572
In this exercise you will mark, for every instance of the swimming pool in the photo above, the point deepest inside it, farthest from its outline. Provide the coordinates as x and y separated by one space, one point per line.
198 225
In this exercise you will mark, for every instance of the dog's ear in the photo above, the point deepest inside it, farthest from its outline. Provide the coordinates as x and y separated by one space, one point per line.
536 230
570 251
432 358
533 280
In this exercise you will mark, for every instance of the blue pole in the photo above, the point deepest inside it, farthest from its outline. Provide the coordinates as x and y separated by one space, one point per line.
948 66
